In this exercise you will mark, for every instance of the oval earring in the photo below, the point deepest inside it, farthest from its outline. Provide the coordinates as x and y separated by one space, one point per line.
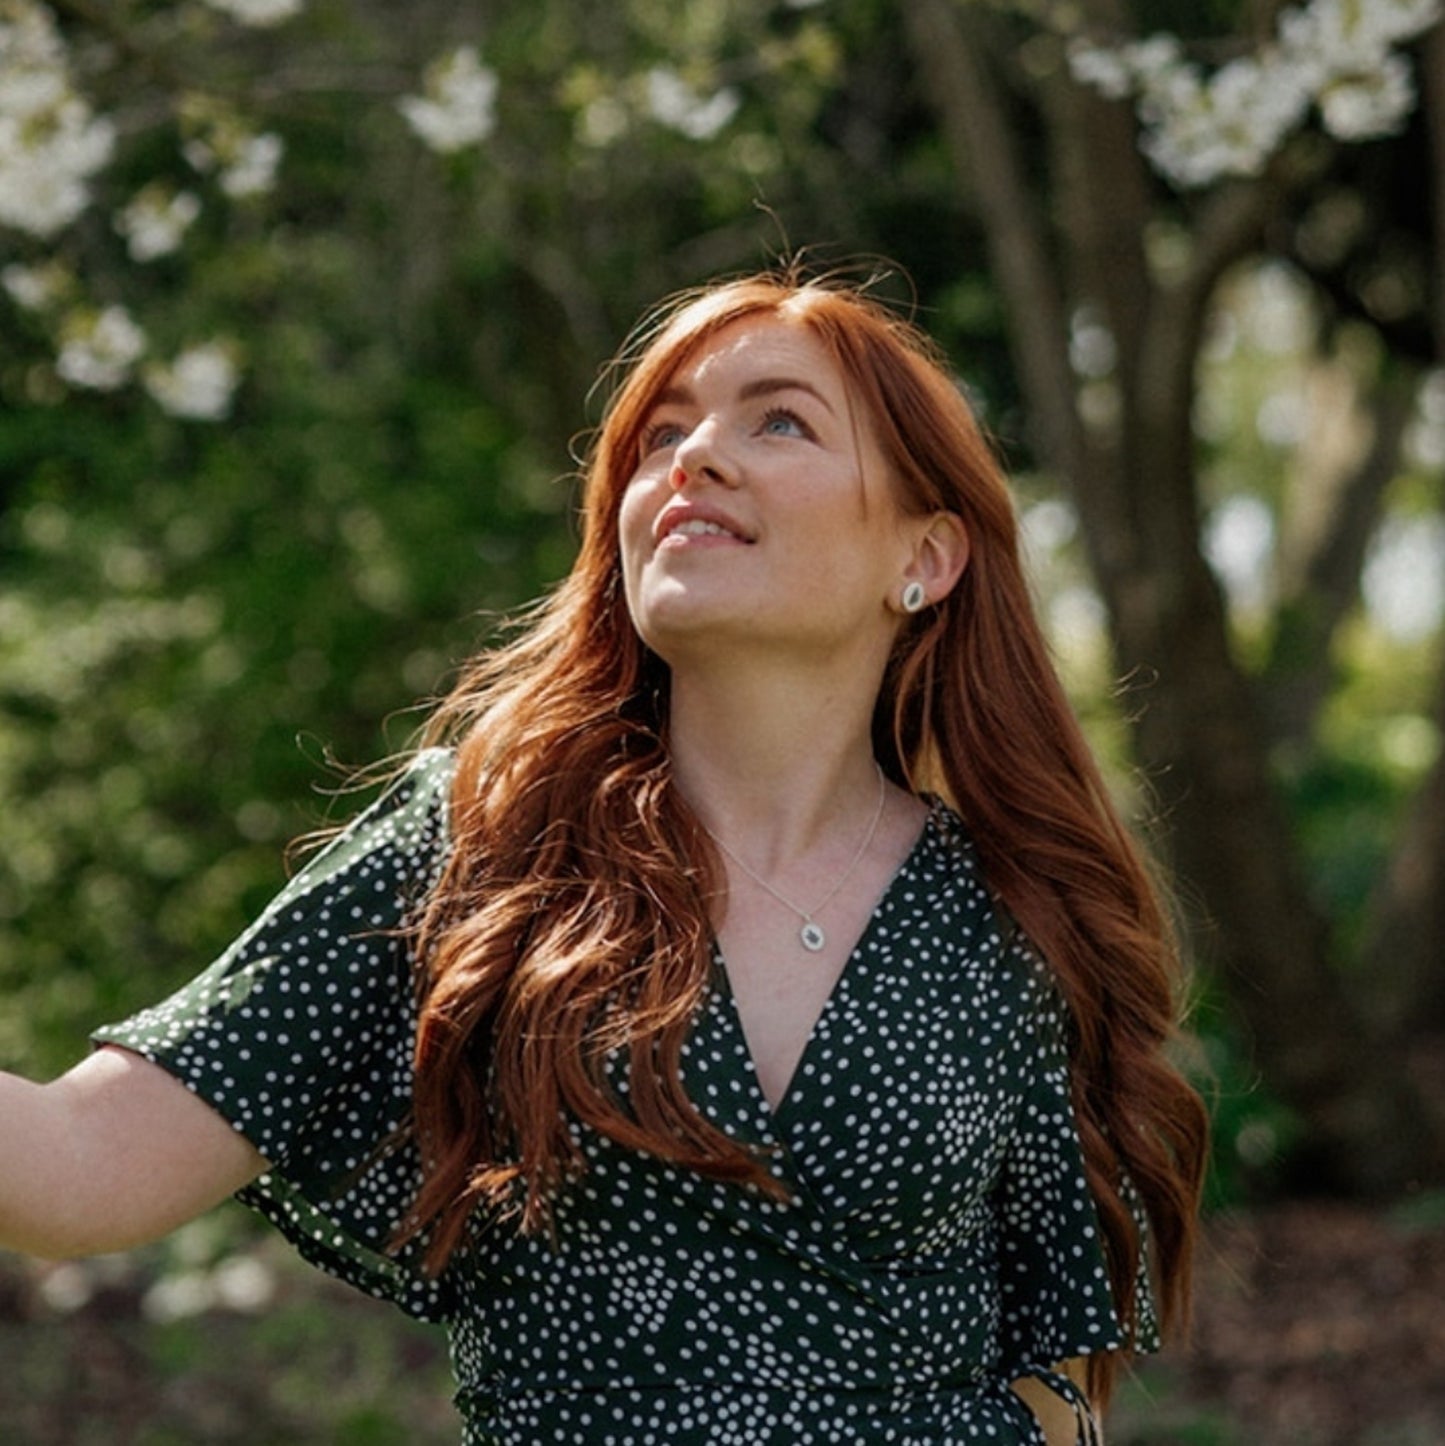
914 597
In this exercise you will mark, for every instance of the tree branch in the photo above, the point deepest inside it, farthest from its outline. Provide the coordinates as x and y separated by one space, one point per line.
105 22
970 111
1432 85
1231 226
1406 923
1323 584
1095 148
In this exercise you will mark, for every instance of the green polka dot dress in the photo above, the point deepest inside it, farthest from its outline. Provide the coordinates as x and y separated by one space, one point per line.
940 1241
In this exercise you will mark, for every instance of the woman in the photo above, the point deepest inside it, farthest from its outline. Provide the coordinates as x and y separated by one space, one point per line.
743 1021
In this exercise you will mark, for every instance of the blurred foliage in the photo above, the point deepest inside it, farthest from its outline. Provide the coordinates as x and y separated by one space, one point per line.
197 619
94 1356
186 606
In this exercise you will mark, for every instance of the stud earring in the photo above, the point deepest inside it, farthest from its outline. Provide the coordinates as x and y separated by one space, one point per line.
914 597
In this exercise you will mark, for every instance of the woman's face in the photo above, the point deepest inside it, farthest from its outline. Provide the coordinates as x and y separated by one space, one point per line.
761 513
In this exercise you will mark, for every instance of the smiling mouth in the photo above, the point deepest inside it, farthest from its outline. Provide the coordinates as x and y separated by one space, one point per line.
691 525
701 527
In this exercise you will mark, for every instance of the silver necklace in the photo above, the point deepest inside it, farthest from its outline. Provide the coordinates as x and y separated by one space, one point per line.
811 934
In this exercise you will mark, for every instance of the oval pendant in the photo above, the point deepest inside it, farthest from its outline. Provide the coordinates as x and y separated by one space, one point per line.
812 936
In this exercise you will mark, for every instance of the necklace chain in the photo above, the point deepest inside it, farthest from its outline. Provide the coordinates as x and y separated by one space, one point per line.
811 934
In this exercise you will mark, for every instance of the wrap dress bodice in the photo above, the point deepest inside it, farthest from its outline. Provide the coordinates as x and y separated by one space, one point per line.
937 1242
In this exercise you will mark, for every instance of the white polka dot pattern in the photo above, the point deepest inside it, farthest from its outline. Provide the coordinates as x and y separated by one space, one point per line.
940 1240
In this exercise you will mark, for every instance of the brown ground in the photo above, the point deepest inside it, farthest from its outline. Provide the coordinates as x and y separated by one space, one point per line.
1316 1325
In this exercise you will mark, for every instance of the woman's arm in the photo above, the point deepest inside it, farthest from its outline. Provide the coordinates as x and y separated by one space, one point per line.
1055 1415
110 1155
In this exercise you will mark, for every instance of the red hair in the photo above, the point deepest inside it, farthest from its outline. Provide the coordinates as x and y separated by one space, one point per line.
572 919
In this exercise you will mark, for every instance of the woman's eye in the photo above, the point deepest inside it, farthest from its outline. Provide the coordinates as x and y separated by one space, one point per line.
780 422
659 435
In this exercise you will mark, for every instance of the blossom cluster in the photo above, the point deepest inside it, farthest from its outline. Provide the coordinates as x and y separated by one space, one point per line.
99 349
458 105
198 383
244 162
676 104
156 221
1337 55
37 288
258 13
51 142
660 94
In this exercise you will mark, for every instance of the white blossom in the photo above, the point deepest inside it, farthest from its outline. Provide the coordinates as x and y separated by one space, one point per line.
458 105
51 142
244 1284
28 88
246 163
252 169
36 288
1263 97
1365 106
198 384
1335 54
156 220
1229 124
68 1287
98 349
675 104
258 13
178 1297
1346 35
1154 58
1105 70
1404 577
31 51
1239 541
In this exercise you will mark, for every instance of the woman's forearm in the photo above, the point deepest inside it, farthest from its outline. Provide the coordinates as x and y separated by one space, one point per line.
110 1155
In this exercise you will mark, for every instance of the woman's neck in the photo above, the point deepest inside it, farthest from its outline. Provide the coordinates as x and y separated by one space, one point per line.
771 765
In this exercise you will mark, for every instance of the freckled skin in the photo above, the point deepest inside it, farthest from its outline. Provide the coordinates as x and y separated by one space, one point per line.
793 470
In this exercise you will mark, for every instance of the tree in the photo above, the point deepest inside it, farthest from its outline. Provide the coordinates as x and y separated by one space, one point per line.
1204 728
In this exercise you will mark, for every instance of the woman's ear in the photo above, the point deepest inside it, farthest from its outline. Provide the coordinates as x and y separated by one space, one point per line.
938 557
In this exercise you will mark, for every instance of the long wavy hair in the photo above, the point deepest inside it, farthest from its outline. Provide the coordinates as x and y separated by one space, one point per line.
572 920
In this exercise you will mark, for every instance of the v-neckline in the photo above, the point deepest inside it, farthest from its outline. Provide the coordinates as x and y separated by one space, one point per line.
773 1114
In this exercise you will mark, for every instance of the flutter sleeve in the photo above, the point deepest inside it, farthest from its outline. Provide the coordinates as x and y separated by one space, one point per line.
301 1036
1056 1300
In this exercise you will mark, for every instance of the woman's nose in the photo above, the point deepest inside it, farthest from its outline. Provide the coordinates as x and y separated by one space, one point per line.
699 457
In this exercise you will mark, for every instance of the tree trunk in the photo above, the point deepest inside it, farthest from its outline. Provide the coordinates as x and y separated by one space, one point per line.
1321 580
1404 953
1432 86
1198 739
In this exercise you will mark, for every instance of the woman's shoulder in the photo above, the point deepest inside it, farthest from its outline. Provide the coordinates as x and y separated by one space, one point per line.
1016 967
424 779
947 847
399 842
421 794
414 804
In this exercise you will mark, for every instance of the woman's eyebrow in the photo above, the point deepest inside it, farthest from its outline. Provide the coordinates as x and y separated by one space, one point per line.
766 386
758 387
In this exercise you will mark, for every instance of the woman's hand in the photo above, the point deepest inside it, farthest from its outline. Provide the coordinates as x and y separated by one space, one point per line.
1055 1415
110 1155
